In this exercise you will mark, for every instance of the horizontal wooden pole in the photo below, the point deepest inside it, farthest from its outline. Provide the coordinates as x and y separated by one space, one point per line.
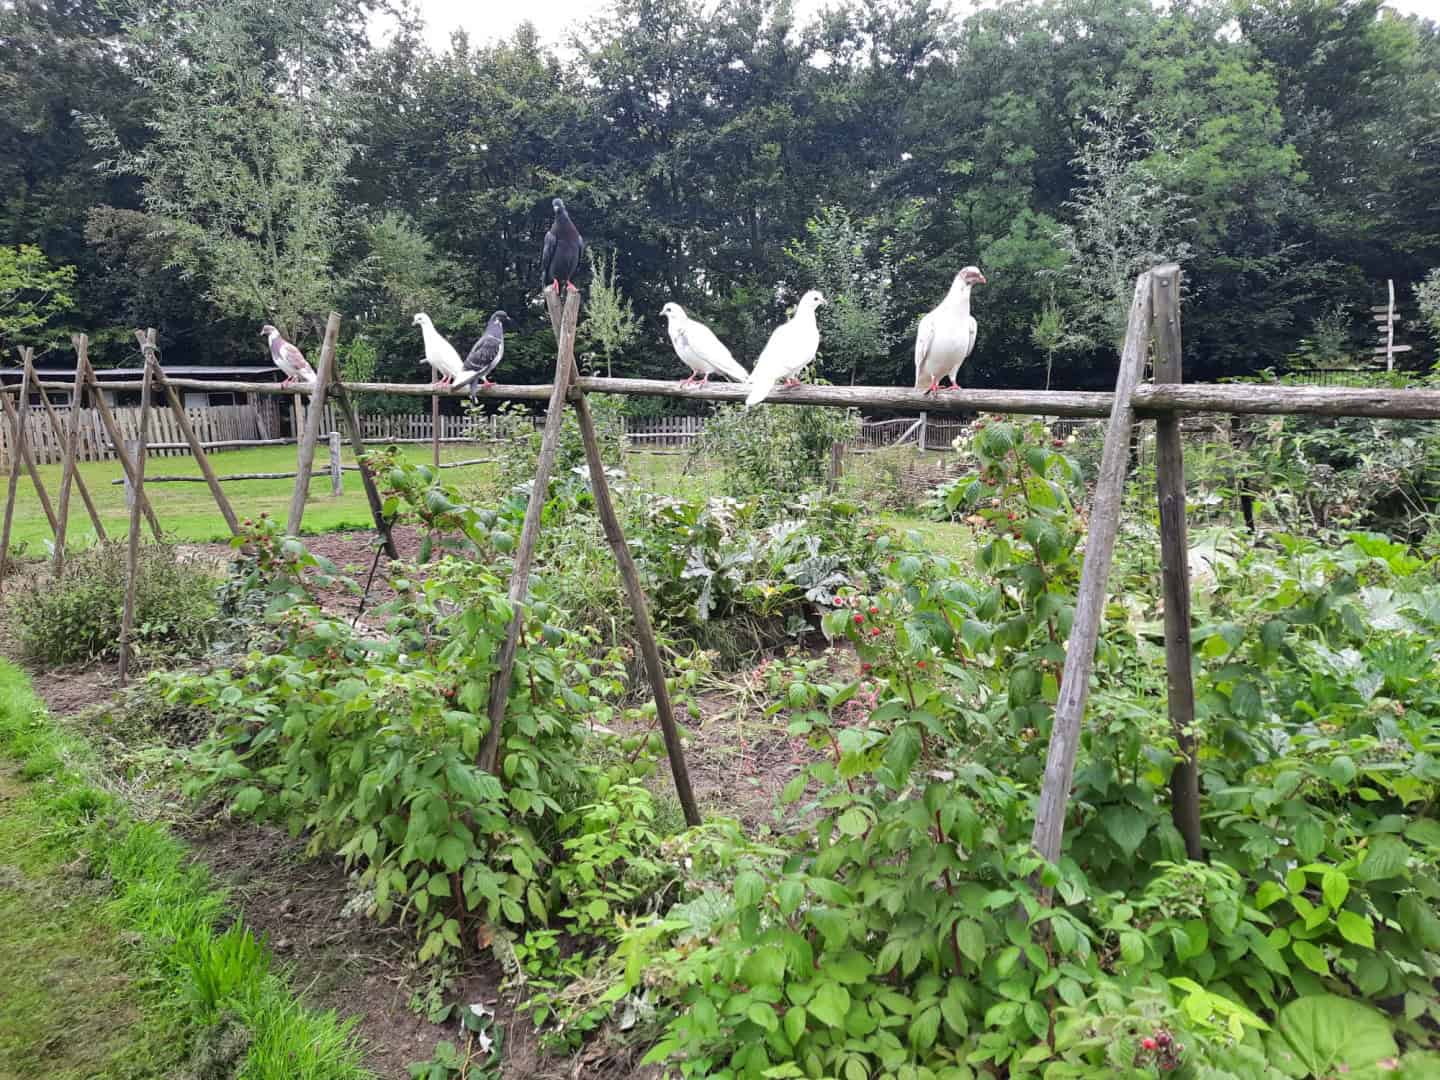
1271 400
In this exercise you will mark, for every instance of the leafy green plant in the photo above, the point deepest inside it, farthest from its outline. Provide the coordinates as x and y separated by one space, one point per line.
77 617
772 454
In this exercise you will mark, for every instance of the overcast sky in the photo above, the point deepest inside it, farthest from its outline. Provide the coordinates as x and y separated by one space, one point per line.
484 19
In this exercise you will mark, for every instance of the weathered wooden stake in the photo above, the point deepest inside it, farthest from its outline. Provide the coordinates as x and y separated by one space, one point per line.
1090 602
71 447
20 453
1174 563
314 417
118 441
435 424
132 553
337 477
489 756
57 429
196 448
367 481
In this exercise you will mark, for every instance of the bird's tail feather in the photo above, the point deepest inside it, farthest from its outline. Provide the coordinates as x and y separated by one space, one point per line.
758 391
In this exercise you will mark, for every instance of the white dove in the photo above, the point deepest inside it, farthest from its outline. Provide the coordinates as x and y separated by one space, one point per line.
947 335
702 351
441 355
791 348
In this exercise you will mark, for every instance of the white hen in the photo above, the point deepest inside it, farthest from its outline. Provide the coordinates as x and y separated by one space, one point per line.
947 335
441 355
696 344
791 348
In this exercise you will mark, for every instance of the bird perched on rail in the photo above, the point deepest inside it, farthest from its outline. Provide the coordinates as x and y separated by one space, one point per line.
441 355
947 335
791 348
485 355
288 358
696 344
563 246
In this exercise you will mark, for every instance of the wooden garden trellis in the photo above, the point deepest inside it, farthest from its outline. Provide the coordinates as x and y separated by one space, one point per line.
1153 328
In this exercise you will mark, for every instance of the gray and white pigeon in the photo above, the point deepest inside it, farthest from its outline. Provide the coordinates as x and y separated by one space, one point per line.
563 245
441 355
288 358
696 344
791 348
947 335
486 354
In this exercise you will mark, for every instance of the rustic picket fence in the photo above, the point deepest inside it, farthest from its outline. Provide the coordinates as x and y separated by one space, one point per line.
213 424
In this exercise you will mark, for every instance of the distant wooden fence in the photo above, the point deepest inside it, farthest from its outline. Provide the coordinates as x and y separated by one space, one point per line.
213 424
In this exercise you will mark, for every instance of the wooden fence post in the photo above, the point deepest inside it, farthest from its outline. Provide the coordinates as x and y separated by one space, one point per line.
1090 601
71 445
1175 563
357 440
56 428
314 414
118 441
20 453
489 756
132 554
196 449
337 482
132 447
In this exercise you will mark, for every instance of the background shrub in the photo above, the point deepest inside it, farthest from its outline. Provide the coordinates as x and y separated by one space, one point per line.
78 616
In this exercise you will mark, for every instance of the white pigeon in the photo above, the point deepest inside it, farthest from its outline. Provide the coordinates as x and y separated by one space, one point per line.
702 351
947 335
288 358
441 355
791 348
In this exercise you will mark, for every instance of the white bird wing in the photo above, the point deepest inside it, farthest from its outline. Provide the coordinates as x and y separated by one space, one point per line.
294 364
967 346
924 340
790 348
710 350
684 350
441 354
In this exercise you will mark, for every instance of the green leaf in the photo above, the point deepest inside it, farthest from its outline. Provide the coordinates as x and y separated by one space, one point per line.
749 888
971 937
794 789
853 822
924 1028
247 799
1037 1019
1132 947
451 852
849 967
1425 832
762 1014
1309 838
1335 886
1311 956
1268 893
795 1018
1326 1035
764 967
1356 929
1125 825
952 1008
830 1004
1387 857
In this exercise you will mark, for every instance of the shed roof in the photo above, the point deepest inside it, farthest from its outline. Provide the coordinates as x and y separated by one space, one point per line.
181 370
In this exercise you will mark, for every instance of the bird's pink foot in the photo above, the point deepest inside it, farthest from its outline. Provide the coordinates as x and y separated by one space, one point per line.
934 387
570 285
487 384
792 381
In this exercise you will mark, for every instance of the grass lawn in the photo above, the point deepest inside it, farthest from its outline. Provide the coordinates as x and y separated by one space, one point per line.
187 511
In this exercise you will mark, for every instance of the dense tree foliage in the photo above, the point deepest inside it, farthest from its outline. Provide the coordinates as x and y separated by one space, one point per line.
266 161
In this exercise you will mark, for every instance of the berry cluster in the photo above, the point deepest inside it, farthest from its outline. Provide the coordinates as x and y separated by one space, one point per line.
1160 1049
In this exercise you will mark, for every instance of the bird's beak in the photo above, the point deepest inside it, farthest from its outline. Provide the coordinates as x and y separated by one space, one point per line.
979 277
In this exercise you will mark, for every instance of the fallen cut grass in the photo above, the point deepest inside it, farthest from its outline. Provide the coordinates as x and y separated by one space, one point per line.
117 965
188 512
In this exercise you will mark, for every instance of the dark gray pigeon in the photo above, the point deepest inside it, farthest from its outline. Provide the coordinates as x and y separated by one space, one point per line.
486 354
563 247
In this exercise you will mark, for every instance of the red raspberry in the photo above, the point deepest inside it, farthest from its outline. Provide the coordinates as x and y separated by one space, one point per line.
874 610
1148 1043
874 631
920 663
865 668
859 618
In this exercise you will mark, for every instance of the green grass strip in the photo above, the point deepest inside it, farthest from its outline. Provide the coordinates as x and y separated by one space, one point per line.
139 969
